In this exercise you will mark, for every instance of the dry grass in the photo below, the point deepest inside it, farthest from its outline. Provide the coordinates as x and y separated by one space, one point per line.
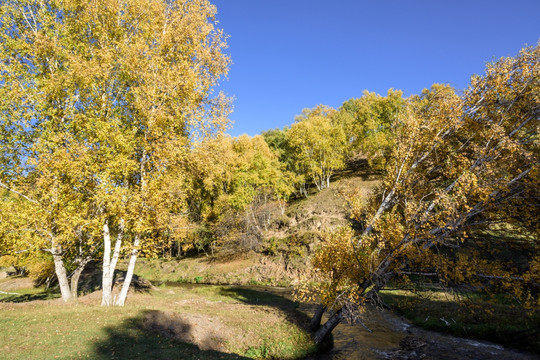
249 269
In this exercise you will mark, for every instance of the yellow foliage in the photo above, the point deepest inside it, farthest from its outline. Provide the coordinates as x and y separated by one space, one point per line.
458 164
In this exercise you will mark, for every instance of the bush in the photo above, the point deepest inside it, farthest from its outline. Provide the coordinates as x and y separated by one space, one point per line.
280 222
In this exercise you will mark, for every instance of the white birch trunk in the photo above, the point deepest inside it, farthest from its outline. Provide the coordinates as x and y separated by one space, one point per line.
317 184
120 301
106 282
61 274
282 206
109 264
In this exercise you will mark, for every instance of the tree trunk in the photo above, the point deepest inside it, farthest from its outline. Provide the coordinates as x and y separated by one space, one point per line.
327 328
76 275
385 205
318 184
60 270
109 264
106 280
315 322
129 275
303 190
282 206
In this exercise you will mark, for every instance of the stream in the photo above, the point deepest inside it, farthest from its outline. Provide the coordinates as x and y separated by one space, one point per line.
393 337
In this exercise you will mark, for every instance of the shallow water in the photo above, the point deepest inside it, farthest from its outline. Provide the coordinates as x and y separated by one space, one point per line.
355 342
393 337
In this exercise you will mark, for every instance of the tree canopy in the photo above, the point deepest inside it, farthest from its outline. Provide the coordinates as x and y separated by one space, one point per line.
102 100
459 163
318 145
368 122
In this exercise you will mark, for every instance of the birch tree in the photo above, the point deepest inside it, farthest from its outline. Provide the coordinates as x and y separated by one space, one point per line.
368 122
117 90
459 163
318 145
235 184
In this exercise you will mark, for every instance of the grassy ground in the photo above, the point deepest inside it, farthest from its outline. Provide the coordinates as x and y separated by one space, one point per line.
167 323
472 317
473 314
201 269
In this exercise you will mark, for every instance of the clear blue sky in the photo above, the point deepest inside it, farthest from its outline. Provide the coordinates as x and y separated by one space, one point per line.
293 54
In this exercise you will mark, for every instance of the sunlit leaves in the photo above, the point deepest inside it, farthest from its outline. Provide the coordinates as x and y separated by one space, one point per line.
370 122
100 101
458 164
230 179
318 145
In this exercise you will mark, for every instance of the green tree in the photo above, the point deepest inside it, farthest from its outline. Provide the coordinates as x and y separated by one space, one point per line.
369 124
277 141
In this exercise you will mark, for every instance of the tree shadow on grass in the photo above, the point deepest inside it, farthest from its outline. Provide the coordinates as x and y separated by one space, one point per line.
280 300
92 275
148 336
20 298
266 297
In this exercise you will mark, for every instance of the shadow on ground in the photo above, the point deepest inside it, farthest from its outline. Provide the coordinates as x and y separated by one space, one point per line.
267 297
20 298
145 337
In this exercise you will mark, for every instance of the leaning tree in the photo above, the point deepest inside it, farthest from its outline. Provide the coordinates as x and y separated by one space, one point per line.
459 163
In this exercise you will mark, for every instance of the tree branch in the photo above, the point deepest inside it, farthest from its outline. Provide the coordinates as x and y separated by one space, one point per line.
18 193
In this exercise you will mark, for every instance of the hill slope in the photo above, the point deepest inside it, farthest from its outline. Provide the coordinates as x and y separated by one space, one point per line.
283 257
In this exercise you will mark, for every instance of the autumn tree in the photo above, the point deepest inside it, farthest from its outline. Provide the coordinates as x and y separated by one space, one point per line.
260 182
41 212
236 184
318 144
458 164
368 122
105 98
42 140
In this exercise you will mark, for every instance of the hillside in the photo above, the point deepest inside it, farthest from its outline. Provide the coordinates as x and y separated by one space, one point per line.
283 258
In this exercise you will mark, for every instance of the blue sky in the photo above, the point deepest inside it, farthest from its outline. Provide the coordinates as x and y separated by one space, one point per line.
294 54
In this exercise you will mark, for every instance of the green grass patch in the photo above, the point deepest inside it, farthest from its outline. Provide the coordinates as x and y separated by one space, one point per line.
197 270
27 295
474 316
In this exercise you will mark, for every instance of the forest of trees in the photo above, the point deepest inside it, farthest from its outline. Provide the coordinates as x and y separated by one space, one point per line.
113 145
